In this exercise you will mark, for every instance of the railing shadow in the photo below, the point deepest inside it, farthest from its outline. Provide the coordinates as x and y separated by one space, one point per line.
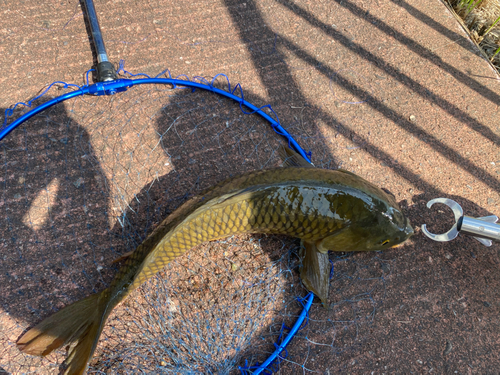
198 160
260 60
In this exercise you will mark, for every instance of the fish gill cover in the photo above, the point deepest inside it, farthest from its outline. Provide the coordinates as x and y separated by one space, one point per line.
85 181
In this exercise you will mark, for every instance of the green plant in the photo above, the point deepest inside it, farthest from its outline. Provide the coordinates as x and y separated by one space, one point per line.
494 54
468 5
477 16
491 27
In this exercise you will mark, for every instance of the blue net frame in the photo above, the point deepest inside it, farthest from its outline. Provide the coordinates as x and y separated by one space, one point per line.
271 364
123 84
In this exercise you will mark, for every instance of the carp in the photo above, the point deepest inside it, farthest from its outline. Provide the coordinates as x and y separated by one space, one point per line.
329 210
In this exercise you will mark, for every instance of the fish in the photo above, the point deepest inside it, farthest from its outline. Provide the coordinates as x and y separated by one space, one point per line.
328 210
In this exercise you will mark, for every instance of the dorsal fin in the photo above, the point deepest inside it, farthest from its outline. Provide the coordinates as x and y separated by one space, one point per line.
292 159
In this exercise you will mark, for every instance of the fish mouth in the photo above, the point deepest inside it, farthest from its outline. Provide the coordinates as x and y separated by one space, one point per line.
408 232
408 229
398 245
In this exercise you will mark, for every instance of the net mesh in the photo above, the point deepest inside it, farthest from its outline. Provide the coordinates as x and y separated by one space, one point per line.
87 180
360 84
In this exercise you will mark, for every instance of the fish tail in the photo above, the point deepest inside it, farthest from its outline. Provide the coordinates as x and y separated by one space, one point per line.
79 324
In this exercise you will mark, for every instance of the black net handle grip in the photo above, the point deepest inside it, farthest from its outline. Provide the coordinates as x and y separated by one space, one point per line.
105 70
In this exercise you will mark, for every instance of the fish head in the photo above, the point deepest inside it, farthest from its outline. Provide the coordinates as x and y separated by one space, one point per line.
387 227
375 220
381 230
390 229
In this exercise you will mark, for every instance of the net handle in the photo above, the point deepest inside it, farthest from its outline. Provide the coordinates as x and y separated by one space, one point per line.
105 70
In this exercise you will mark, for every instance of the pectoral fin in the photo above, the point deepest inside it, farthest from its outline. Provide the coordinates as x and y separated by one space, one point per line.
292 159
315 272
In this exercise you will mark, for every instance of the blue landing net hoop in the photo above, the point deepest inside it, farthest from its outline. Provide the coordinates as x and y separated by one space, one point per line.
271 364
123 84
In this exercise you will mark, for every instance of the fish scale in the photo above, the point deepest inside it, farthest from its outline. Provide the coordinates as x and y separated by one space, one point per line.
261 212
